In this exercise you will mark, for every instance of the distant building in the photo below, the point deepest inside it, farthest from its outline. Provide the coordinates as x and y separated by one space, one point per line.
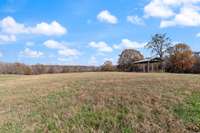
149 64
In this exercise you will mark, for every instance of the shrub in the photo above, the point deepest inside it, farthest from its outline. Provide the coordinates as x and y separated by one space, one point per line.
107 66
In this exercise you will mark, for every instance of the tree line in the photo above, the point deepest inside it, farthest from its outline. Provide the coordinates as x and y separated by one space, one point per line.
178 58
23 69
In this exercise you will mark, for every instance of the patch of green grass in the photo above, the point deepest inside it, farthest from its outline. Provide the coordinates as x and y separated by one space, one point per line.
50 114
11 127
45 115
90 120
189 111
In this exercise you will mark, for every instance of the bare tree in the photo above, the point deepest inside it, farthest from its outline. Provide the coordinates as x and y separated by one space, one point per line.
159 44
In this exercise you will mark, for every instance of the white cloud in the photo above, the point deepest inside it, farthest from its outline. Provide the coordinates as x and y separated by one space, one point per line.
101 46
157 8
135 20
54 44
63 50
198 34
31 53
1 54
30 43
54 28
106 16
126 43
9 26
68 52
175 12
167 23
188 16
7 39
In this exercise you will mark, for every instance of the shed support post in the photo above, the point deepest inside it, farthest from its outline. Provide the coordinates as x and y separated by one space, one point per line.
152 69
143 65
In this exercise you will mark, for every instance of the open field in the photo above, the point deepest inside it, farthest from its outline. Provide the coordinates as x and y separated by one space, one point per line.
100 102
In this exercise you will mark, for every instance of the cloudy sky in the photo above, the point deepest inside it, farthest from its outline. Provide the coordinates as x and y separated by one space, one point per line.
88 32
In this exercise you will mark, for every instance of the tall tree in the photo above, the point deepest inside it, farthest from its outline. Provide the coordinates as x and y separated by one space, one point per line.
127 57
182 58
159 44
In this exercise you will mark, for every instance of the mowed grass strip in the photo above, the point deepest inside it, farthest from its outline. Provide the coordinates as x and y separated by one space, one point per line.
97 102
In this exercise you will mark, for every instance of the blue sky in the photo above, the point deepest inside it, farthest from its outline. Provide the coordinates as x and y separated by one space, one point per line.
88 32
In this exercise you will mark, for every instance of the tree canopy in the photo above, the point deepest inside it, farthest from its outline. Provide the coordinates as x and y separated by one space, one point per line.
127 57
182 58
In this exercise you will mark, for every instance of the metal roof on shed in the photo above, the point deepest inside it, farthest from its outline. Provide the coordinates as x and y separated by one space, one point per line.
148 60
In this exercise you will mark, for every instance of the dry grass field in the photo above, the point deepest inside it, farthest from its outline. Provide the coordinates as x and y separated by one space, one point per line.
100 102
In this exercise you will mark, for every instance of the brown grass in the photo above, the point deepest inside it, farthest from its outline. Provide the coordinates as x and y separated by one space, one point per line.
94 102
